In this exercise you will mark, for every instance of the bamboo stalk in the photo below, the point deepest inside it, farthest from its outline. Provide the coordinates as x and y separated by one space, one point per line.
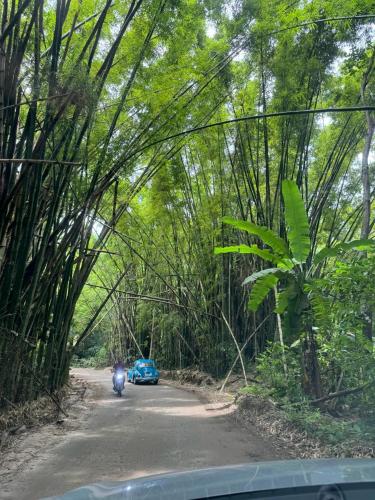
39 161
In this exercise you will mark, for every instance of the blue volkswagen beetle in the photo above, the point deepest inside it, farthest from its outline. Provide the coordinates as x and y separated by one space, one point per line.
144 370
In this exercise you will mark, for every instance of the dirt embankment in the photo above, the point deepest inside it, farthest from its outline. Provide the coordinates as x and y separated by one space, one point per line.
186 376
266 416
27 431
17 419
273 422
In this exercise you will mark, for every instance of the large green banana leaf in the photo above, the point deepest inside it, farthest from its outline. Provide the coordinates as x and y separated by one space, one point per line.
296 221
268 236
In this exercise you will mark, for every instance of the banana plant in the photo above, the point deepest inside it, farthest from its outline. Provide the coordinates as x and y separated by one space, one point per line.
292 266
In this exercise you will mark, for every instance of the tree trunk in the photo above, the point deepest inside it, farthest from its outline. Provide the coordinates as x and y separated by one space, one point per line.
366 195
366 202
312 381
366 190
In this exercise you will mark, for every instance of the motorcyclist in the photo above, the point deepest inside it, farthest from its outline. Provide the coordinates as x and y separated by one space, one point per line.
119 366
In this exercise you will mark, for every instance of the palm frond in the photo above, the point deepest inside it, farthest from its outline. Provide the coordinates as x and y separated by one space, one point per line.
246 249
283 298
268 236
264 272
261 289
296 221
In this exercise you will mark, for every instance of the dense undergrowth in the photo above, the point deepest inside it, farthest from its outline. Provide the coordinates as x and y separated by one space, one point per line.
330 428
342 421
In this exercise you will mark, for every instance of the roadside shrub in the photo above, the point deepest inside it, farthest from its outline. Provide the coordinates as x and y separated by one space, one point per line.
270 366
99 359
102 357
347 362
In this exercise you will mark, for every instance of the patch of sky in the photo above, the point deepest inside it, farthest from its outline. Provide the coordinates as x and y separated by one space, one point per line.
103 46
160 50
240 56
114 91
210 28
97 227
324 120
192 169
231 8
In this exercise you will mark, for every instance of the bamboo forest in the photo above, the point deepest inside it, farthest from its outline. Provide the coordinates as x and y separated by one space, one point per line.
191 181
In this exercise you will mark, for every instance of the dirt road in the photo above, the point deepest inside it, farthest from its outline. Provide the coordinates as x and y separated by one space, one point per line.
152 429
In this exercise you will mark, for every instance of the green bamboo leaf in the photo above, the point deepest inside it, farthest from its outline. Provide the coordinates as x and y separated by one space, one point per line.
246 249
261 289
296 221
327 252
268 236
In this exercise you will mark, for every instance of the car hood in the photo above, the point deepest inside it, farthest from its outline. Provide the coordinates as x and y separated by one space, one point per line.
205 483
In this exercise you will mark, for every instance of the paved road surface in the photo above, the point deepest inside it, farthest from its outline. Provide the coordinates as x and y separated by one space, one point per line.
152 429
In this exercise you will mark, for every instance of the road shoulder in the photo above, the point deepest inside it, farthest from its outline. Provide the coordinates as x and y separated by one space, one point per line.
29 446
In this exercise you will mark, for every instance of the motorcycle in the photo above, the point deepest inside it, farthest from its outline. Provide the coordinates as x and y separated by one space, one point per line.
119 382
